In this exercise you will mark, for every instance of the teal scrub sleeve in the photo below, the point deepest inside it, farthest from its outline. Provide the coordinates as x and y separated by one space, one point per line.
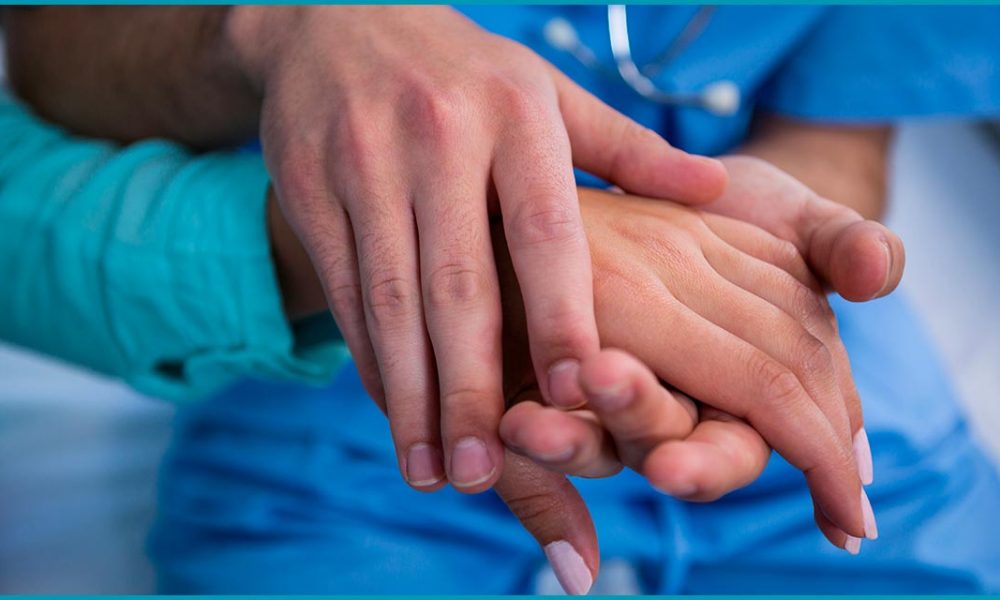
146 263
883 63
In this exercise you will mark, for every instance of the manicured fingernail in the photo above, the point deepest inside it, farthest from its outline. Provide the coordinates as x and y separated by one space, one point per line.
853 545
564 385
470 463
863 454
871 529
614 396
570 570
423 465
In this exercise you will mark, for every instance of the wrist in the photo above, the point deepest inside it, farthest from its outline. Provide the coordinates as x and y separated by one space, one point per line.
248 38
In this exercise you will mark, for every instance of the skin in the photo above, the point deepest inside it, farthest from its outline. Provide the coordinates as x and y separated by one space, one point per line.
654 258
169 68
400 239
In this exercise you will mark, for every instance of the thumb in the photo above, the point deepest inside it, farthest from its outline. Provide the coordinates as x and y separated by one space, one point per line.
552 511
615 148
860 259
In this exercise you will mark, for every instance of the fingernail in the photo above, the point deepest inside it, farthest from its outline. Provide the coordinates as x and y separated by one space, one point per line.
423 465
611 397
708 160
863 454
853 545
564 385
888 267
570 570
681 490
871 529
558 456
470 463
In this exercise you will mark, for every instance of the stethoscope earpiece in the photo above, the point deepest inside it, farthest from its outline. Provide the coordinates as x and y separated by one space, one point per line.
721 98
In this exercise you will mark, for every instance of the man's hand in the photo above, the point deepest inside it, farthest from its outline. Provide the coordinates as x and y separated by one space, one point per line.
819 187
392 134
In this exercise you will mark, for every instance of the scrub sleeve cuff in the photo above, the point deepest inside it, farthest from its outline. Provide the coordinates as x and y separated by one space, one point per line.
146 263
224 307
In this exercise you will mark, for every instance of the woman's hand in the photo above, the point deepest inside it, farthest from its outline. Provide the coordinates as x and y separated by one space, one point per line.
696 453
392 134
754 338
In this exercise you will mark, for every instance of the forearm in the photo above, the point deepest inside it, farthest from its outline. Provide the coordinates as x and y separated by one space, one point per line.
134 72
845 164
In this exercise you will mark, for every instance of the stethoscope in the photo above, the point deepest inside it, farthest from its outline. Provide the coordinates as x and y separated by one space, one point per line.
720 97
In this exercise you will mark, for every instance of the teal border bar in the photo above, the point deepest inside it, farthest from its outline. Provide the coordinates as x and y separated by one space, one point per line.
529 2
383 597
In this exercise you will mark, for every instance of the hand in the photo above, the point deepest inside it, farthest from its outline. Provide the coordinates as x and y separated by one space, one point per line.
694 453
742 335
388 132
860 259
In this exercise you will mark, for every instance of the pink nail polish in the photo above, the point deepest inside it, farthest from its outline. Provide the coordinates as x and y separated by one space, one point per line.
853 545
871 528
570 570
863 455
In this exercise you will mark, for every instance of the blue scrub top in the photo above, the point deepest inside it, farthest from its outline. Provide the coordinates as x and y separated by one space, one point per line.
844 64
260 495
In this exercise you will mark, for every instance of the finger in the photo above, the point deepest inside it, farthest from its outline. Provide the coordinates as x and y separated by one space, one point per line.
612 146
722 454
552 511
462 307
387 251
813 311
861 259
786 336
637 411
329 241
548 248
760 244
774 331
571 442
724 371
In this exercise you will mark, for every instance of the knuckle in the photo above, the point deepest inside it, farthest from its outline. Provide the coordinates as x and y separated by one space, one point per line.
473 402
357 149
519 98
345 300
533 509
566 330
391 299
542 221
779 387
812 357
298 173
457 283
786 254
810 309
437 115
